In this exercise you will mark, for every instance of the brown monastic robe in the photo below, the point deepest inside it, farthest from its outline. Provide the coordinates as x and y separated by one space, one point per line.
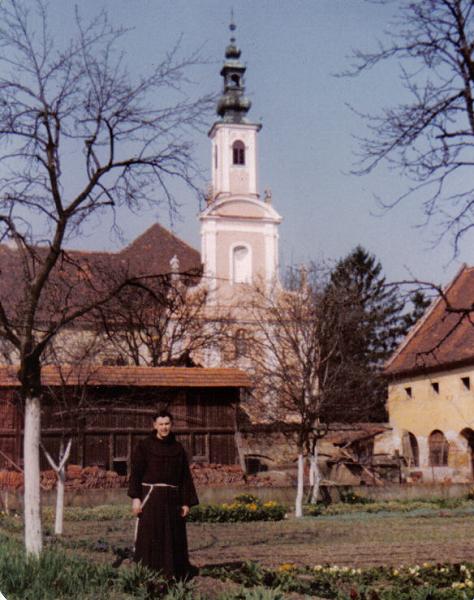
161 542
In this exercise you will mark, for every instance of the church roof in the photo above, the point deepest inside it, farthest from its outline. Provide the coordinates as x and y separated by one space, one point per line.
444 336
81 276
153 250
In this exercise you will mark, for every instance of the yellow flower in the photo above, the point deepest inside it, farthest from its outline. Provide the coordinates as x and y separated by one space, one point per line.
285 567
457 585
252 506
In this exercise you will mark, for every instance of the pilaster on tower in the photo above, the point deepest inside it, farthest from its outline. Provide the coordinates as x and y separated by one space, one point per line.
234 138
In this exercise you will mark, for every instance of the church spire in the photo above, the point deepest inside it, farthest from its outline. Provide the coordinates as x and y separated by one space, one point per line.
233 106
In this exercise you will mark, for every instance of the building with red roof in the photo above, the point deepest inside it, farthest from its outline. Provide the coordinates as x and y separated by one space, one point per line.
431 388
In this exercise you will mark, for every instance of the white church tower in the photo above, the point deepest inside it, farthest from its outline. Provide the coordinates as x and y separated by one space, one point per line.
239 230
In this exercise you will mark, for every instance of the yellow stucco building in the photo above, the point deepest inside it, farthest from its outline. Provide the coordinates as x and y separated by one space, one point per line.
431 389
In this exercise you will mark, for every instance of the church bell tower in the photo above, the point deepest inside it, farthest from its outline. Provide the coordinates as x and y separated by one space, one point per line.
239 231
234 171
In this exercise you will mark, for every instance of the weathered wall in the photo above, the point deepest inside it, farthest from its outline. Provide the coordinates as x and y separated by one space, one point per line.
209 495
436 402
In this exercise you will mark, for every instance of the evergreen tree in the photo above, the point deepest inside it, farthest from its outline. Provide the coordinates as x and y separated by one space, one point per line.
369 313
419 304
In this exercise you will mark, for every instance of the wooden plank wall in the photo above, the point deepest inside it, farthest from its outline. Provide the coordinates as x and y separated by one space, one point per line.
112 422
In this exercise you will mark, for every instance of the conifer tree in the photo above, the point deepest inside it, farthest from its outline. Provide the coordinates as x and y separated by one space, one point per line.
371 321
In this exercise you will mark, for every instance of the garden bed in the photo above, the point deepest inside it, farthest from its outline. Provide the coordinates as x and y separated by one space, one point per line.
349 554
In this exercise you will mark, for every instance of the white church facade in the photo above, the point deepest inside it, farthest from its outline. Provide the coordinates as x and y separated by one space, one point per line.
239 229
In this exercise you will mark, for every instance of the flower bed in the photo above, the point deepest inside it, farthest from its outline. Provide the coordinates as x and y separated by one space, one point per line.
425 582
245 507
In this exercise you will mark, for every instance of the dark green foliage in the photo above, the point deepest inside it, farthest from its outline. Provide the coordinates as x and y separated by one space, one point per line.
57 576
51 577
245 507
368 315
419 304
351 497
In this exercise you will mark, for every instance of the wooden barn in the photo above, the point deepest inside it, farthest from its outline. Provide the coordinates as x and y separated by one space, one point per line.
107 411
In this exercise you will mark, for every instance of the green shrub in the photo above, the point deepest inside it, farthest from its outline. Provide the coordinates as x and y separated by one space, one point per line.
52 576
139 581
57 576
359 504
244 508
350 497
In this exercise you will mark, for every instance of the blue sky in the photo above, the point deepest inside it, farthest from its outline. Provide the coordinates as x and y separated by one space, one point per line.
292 50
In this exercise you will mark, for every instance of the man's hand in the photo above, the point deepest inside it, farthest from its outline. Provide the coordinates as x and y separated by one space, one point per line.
136 506
184 511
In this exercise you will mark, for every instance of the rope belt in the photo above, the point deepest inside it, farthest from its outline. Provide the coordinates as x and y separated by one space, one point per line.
152 486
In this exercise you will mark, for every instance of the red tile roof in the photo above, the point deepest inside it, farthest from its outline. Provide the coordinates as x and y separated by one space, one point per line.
132 376
81 277
442 338
152 251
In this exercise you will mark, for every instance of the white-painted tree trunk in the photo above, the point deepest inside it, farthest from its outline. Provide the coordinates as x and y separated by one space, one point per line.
300 487
32 495
59 520
60 470
314 475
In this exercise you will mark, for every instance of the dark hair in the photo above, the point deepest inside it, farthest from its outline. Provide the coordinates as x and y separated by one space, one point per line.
163 414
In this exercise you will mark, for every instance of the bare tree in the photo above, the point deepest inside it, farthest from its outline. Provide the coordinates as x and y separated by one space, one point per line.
162 321
294 341
73 109
429 137
75 363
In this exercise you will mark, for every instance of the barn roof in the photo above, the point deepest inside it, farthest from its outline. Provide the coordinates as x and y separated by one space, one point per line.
125 376
444 336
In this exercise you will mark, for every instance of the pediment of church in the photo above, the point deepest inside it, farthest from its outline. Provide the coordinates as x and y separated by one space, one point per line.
242 208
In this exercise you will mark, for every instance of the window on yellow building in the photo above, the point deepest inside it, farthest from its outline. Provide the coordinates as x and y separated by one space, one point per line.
439 449
435 387
466 383
409 392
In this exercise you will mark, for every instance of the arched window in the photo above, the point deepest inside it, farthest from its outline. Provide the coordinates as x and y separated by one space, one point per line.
235 79
410 449
241 265
238 153
468 435
439 449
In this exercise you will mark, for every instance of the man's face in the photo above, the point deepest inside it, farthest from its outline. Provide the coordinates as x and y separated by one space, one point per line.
162 426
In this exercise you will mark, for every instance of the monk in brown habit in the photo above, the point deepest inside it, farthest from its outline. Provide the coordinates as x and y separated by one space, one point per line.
163 491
